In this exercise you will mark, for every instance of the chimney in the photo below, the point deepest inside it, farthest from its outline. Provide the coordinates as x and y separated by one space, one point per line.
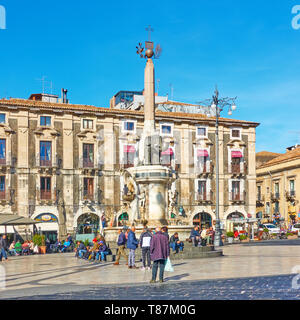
64 95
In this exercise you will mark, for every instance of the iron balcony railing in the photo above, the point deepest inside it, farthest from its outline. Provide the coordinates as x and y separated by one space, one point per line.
204 196
237 197
238 169
45 195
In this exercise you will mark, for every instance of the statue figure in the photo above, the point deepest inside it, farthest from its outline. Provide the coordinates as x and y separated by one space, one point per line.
134 206
130 187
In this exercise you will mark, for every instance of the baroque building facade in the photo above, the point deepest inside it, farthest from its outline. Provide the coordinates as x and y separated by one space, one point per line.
278 185
64 165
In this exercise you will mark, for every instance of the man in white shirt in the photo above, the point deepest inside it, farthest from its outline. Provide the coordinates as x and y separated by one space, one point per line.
145 245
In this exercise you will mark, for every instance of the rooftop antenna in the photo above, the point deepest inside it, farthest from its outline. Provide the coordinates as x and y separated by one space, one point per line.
158 81
43 82
172 90
51 86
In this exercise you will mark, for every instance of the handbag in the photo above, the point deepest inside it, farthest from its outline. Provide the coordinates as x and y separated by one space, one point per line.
168 266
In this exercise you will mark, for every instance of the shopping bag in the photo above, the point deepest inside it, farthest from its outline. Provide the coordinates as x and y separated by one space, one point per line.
168 266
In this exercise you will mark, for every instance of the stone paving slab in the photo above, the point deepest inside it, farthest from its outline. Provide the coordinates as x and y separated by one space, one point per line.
31 275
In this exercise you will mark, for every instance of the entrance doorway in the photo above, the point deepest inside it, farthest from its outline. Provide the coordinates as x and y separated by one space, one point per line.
48 226
88 223
202 219
123 219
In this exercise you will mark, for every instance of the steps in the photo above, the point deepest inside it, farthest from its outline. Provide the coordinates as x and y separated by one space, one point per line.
189 252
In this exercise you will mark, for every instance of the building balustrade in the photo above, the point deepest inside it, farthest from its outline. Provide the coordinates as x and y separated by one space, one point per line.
237 197
290 195
275 197
238 169
204 196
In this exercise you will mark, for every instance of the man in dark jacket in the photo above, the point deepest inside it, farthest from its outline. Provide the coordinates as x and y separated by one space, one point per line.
132 244
175 243
159 252
3 247
145 240
121 246
195 236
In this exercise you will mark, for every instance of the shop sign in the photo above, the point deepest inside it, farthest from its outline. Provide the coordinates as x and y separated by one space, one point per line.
46 217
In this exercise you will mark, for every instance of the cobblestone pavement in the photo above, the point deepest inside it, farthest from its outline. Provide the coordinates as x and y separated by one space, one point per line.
274 287
245 272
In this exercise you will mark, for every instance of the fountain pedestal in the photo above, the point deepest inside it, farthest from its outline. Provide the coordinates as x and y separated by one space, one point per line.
156 178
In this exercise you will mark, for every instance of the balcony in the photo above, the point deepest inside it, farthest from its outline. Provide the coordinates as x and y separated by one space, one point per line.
260 199
275 197
5 195
45 163
87 163
290 195
204 197
88 197
237 197
204 168
45 195
240 169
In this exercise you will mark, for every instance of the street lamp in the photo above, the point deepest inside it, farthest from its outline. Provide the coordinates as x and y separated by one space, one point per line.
218 104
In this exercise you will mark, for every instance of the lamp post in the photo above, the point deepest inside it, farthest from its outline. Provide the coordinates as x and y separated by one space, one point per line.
219 104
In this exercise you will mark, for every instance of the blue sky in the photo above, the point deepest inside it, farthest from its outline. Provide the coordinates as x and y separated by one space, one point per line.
248 48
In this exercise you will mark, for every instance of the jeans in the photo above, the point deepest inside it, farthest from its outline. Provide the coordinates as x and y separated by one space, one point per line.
195 241
13 252
131 260
146 254
103 255
81 252
176 246
161 264
3 254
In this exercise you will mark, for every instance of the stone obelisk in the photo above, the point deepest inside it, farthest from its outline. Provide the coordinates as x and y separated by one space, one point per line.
149 96
152 174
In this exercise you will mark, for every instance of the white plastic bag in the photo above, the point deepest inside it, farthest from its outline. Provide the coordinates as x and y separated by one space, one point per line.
36 249
168 266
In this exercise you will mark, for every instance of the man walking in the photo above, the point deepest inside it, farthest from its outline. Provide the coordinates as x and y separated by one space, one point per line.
121 246
159 252
132 244
3 247
145 240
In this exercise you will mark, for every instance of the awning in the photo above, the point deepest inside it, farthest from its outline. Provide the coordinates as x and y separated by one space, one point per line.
168 152
15 220
129 149
202 153
48 226
236 154
9 229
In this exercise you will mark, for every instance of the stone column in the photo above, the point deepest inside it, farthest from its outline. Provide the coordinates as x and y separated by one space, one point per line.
149 96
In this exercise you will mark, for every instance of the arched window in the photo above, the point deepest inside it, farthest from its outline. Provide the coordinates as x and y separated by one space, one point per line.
87 223
202 219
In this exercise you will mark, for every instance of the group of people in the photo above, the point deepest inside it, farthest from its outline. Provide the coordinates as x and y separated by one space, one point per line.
27 247
98 251
202 237
16 248
155 246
